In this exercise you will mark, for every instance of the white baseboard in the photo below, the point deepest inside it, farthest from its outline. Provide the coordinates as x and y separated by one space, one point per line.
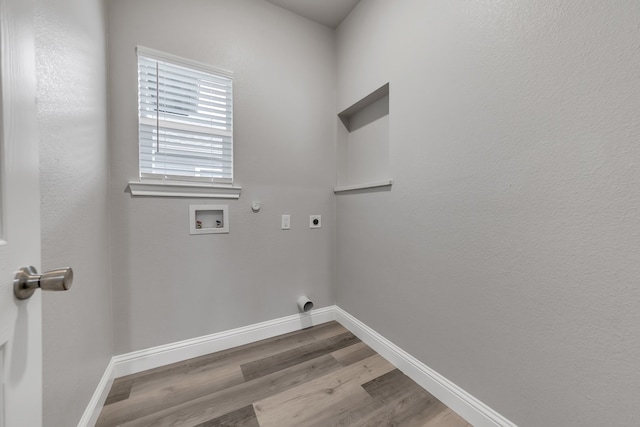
468 407
91 414
138 361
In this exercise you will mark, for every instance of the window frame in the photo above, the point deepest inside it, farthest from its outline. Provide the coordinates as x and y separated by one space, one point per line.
158 184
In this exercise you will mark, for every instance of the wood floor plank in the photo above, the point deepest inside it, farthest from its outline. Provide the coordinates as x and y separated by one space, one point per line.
120 390
408 411
352 354
243 417
145 401
355 406
327 330
447 418
392 386
308 401
407 404
209 380
285 359
220 403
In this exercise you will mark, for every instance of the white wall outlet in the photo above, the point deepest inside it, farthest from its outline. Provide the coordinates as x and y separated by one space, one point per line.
315 221
286 222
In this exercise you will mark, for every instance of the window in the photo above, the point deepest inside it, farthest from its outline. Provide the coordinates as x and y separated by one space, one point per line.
185 113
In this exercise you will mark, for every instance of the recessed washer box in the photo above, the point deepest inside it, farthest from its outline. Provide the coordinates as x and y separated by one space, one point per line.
208 219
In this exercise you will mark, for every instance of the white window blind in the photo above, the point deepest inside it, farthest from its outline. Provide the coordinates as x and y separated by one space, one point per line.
185 112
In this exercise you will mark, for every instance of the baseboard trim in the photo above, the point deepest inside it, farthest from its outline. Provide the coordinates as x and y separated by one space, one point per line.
138 361
91 414
468 407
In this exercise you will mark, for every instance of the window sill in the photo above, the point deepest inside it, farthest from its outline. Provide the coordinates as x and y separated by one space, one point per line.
345 188
180 189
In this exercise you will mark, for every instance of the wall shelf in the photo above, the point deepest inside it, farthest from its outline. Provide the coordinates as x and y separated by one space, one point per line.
354 118
345 188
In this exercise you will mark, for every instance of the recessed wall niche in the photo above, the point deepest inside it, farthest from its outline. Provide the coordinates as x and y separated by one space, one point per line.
363 143
208 219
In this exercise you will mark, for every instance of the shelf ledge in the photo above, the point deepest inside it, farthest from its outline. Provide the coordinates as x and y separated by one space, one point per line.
181 189
344 188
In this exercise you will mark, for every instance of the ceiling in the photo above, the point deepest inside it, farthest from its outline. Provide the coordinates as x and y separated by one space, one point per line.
326 12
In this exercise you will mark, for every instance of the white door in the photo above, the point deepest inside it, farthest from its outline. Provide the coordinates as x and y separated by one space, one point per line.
20 321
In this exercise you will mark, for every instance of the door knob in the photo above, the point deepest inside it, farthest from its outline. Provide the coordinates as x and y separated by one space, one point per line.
27 280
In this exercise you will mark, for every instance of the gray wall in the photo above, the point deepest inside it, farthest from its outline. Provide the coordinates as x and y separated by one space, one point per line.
506 255
72 116
168 285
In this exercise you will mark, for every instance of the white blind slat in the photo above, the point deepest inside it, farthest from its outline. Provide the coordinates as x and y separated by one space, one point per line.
150 97
177 126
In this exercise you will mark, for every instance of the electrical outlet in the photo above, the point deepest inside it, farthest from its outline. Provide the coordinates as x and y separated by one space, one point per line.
286 222
315 221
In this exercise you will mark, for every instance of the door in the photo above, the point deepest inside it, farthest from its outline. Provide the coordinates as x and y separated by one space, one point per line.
20 320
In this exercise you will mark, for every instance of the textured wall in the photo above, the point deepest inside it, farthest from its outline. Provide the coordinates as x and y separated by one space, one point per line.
170 286
72 116
506 255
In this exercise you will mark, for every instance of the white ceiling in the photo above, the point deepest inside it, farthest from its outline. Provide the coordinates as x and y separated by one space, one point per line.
326 12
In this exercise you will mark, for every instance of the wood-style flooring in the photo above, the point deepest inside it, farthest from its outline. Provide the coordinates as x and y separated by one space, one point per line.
320 376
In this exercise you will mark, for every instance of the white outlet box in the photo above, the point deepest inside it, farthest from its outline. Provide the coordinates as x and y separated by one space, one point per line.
315 221
286 222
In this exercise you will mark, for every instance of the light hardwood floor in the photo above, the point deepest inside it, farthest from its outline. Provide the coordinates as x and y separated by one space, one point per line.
320 376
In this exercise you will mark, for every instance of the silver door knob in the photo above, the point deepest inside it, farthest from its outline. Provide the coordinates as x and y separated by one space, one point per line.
27 280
